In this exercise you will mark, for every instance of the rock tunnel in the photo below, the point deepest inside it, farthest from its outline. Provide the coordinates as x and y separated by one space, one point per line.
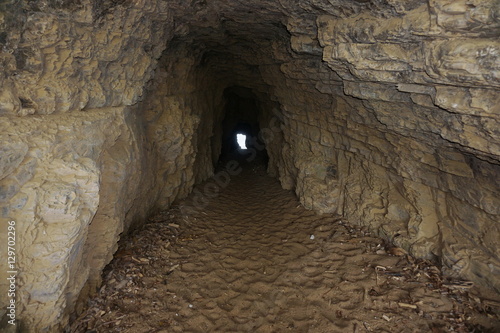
385 112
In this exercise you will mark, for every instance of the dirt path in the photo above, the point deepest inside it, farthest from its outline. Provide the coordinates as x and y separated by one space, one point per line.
254 260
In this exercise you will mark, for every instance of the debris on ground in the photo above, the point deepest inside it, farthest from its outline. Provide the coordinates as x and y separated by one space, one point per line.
248 267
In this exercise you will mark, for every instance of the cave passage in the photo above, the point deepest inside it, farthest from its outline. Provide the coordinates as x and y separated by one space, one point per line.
385 113
254 260
241 122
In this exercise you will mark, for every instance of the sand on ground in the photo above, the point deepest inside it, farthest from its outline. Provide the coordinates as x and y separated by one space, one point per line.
254 260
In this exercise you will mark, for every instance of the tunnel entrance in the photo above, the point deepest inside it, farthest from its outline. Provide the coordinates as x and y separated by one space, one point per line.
241 128
241 140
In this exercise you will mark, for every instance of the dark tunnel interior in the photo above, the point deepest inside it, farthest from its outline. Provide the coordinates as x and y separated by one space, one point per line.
241 116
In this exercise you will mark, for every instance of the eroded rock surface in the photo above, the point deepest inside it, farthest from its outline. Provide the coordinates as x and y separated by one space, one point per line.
385 112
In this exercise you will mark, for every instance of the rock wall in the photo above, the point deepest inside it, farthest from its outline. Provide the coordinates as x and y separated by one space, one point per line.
81 161
383 111
71 179
183 114
64 186
409 146
70 55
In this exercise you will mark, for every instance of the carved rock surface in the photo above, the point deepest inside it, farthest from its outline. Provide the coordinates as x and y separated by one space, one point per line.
386 112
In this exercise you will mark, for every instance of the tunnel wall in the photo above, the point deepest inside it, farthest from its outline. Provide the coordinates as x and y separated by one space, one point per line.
183 112
71 188
404 138
74 159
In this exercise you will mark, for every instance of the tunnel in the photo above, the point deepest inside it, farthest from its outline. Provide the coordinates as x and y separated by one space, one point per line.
241 117
382 113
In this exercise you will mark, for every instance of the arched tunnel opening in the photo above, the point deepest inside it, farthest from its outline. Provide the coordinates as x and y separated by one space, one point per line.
241 122
367 196
241 140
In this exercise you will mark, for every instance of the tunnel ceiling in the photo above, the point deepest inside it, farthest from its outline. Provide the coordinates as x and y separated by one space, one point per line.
399 48
239 39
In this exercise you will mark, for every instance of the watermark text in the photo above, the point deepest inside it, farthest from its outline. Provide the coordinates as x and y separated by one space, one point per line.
11 272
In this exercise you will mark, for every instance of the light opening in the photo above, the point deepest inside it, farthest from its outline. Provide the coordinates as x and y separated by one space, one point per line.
241 138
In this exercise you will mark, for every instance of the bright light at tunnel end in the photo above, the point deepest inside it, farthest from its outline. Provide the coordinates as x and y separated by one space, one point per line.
241 138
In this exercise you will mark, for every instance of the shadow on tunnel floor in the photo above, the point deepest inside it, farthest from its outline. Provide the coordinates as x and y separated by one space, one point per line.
245 158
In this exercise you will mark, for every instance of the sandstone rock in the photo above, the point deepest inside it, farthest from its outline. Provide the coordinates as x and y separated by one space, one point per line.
12 155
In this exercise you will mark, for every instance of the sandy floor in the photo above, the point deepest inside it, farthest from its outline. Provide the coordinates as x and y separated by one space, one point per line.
254 260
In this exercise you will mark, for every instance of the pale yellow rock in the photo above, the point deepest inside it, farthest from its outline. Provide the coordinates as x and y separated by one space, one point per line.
9 103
